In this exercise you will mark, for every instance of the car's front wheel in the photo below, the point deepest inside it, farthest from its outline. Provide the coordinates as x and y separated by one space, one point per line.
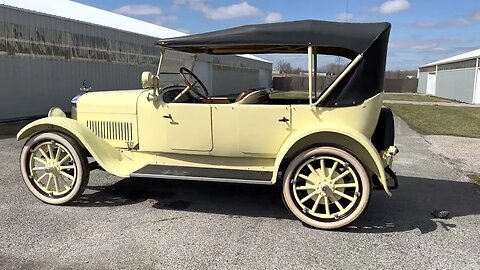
326 187
54 168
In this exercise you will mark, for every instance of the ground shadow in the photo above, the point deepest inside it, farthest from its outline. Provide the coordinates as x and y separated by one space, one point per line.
10 130
410 207
222 198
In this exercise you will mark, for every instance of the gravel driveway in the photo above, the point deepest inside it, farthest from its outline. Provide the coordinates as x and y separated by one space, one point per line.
154 224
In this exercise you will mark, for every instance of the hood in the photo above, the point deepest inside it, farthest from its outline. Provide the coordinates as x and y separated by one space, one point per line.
117 102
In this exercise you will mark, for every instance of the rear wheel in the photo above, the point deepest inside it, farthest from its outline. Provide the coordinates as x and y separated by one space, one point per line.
326 187
54 168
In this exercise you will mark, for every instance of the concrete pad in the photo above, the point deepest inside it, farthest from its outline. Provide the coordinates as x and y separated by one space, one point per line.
155 224
461 153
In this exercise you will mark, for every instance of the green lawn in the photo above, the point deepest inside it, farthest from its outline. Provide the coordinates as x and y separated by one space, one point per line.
415 97
440 120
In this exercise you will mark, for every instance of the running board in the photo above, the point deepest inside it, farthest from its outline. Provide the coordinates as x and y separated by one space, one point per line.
205 174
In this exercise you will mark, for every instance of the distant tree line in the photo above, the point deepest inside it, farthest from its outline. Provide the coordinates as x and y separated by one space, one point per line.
400 74
333 69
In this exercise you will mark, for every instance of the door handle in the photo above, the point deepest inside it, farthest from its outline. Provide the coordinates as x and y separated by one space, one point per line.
284 119
169 116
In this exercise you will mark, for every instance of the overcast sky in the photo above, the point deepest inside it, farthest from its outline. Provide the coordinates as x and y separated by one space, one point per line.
422 30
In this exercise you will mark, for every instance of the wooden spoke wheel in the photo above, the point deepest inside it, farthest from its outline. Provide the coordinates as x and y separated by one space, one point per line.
326 187
54 168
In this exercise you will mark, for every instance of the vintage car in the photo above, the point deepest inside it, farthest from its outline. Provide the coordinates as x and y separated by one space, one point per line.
326 149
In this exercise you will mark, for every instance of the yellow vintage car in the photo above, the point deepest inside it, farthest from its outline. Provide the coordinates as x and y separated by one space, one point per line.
326 149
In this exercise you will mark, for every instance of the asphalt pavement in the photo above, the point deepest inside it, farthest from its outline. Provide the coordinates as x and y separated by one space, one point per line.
155 224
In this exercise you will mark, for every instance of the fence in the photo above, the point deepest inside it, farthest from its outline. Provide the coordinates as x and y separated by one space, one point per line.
300 82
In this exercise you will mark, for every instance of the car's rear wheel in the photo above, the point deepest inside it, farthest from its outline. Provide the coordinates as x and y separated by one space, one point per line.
54 168
326 187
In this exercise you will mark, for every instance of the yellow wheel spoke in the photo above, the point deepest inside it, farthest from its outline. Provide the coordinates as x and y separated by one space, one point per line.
315 205
322 167
343 195
67 175
306 178
339 206
327 206
306 187
39 168
64 159
303 176
313 170
55 181
57 155
44 162
334 167
43 153
346 185
65 183
340 176
50 150
307 197
41 177
67 167
48 182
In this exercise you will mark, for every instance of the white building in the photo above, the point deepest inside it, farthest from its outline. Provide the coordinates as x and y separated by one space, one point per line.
457 78
48 47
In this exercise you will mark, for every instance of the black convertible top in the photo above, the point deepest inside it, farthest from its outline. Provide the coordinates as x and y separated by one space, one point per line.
345 39
333 38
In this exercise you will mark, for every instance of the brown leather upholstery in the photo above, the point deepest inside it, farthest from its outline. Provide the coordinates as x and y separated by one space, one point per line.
216 101
243 94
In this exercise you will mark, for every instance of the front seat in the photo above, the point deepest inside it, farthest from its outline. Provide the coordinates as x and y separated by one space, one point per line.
243 94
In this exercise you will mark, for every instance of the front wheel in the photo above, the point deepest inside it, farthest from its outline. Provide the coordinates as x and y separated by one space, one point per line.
54 168
326 187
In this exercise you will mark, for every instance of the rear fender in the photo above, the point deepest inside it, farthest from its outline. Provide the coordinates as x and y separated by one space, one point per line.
351 140
108 157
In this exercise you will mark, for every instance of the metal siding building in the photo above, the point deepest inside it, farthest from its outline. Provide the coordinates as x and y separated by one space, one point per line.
44 57
457 78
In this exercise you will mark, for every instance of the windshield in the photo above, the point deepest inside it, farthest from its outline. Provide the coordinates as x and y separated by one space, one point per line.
170 63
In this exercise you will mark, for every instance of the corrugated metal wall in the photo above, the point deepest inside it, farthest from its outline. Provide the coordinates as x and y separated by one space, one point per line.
422 83
456 84
453 80
44 59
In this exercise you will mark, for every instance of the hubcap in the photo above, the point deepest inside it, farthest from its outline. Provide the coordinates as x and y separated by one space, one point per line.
52 168
325 187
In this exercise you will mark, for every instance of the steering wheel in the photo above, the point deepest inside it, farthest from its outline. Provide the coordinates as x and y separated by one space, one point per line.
191 85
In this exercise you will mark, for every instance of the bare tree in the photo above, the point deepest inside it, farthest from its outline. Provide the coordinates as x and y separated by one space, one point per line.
333 68
284 67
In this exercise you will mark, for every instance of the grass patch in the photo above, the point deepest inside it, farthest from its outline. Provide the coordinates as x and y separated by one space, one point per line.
416 97
440 120
475 178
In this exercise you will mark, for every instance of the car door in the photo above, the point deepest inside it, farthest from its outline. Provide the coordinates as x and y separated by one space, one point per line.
189 126
263 128
174 127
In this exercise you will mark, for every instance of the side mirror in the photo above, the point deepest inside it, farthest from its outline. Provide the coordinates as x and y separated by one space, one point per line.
149 81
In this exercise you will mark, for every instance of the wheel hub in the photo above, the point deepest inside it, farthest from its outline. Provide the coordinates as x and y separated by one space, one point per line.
52 167
323 185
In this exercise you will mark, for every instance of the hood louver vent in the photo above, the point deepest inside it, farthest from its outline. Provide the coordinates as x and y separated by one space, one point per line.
109 130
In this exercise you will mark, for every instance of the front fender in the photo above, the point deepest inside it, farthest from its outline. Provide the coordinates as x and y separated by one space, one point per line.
111 159
349 139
